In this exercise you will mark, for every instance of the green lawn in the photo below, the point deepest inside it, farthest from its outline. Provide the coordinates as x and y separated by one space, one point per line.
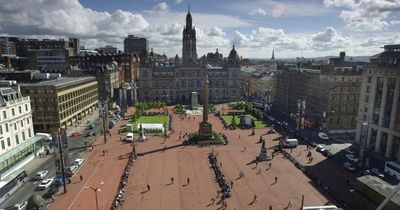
258 123
157 119
228 119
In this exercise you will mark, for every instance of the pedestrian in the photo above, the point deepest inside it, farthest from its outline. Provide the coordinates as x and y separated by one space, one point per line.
188 181
220 164
104 152
290 203
148 187
259 171
239 136
172 180
270 164
231 184
276 179
254 199
291 150
270 207
81 177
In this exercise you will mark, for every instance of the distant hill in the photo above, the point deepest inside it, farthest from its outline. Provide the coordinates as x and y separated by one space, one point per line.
324 58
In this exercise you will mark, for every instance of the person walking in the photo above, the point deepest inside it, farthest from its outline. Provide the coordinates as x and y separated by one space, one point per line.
270 164
276 179
81 177
231 184
290 203
148 187
270 207
188 181
172 180
104 152
254 199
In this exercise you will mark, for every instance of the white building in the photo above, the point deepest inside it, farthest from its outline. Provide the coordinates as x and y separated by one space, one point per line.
108 49
17 142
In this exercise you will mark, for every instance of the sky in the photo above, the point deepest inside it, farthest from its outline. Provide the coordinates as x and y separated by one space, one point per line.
293 28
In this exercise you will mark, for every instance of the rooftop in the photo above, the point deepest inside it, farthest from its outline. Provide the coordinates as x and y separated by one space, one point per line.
59 83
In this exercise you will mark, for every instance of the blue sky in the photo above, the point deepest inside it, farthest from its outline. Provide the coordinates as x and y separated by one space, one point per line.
291 27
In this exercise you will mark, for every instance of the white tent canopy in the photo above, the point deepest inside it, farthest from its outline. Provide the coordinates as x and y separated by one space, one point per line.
148 126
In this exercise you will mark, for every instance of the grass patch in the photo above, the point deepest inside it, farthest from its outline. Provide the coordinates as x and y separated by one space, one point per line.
195 139
258 123
156 119
228 119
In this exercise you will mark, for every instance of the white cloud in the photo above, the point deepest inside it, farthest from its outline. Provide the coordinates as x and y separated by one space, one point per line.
339 3
366 15
326 36
215 31
258 11
178 1
161 7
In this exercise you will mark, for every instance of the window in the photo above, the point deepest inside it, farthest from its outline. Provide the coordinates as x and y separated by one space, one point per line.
1 129
27 121
3 146
16 139
26 107
6 127
20 109
369 79
29 133
15 126
22 123
368 89
4 114
23 135
12 112
8 142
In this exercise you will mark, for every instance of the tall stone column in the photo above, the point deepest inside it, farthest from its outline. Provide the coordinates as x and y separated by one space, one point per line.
392 119
205 128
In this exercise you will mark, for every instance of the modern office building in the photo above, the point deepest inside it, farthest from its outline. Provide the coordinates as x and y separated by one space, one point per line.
378 124
108 49
60 101
173 82
41 58
325 98
135 45
7 45
17 142
23 45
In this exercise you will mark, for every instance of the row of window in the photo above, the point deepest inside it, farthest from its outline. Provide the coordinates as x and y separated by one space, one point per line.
13 112
17 139
15 125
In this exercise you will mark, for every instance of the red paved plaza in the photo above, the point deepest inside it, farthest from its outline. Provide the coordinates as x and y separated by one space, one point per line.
156 167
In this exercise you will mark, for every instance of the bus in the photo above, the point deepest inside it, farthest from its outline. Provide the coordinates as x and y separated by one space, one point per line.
11 183
393 169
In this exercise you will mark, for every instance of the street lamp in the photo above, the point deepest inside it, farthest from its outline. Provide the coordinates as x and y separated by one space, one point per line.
97 189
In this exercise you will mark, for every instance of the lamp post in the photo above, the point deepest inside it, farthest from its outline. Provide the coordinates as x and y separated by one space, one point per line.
60 148
97 189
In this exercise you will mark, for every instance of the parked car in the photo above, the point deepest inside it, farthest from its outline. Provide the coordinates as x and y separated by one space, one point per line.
377 172
20 206
76 133
78 162
349 166
41 174
320 148
45 184
323 136
349 151
352 158
74 168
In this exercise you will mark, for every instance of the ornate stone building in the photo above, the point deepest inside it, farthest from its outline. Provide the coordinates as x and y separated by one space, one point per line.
174 82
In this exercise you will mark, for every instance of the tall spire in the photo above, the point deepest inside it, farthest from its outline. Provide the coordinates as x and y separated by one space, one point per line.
273 54
188 8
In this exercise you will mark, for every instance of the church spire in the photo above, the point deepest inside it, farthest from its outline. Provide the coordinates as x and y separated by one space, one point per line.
273 55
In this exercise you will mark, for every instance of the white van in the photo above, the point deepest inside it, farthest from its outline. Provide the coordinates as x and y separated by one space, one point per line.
290 142
47 137
129 137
